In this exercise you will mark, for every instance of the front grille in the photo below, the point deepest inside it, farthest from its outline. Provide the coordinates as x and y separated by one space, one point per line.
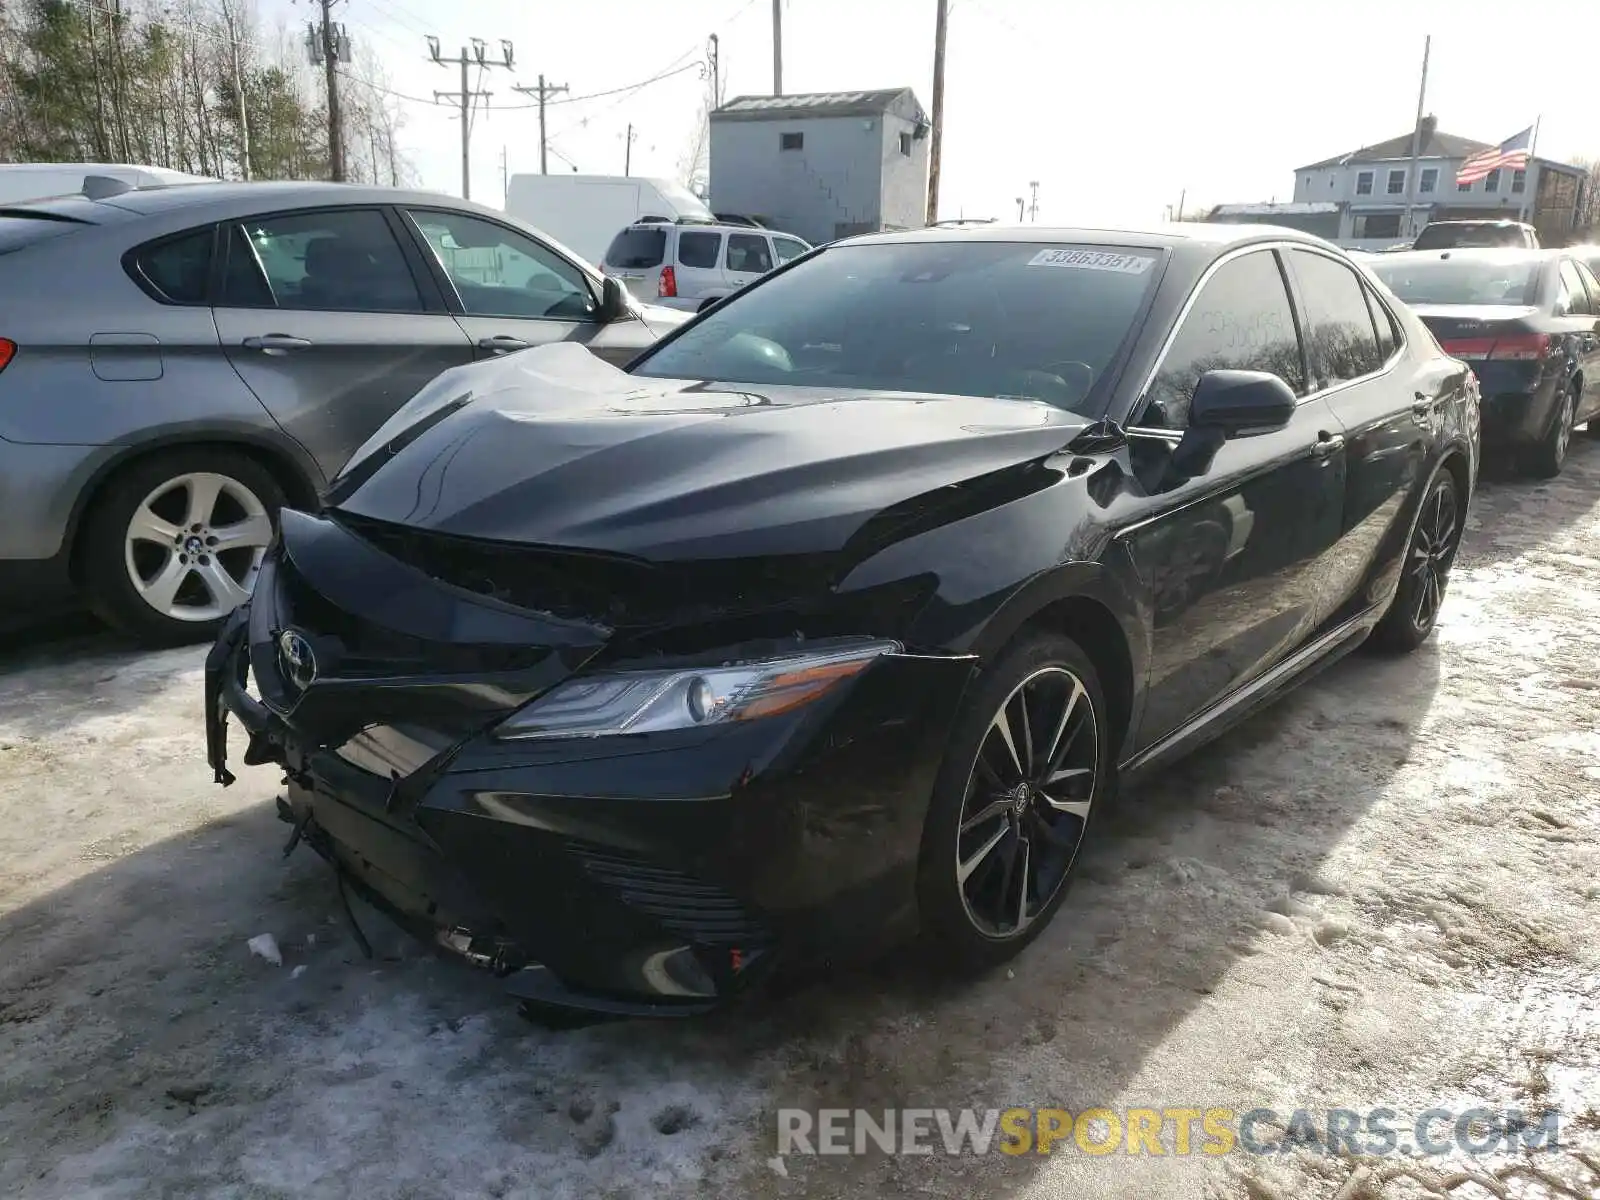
698 911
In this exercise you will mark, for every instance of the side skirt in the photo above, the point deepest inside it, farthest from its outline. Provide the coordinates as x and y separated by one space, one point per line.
1253 696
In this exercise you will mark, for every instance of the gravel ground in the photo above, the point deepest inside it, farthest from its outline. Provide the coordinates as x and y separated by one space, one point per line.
1385 891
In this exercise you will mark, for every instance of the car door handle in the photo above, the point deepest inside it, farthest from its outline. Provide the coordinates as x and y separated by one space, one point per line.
276 343
503 343
1326 444
1424 406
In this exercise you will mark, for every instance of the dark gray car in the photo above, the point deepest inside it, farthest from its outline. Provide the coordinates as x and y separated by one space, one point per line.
177 364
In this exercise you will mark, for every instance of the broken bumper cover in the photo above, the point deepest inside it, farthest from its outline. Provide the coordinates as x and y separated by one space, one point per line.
657 874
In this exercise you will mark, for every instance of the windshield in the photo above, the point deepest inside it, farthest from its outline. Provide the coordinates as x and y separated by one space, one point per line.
1461 280
1007 319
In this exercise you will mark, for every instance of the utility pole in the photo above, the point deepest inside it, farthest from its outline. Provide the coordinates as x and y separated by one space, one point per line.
1033 207
1183 200
505 177
467 97
777 47
627 154
938 111
544 91
1416 139
330 46
713 47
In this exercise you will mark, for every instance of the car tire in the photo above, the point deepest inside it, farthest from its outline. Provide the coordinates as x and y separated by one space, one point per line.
983 824
1424 571
149 571
1545 460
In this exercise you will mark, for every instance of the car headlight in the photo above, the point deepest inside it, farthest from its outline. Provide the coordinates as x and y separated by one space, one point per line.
688 698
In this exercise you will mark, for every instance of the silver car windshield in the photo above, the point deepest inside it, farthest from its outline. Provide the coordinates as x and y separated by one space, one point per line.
1023 320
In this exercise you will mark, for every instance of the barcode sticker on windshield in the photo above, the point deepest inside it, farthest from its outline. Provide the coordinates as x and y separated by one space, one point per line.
1092 260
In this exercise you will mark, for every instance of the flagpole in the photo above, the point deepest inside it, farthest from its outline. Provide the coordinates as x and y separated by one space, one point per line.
1416 139
1533 173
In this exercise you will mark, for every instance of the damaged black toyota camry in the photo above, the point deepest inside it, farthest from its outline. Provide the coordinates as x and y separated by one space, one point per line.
837 616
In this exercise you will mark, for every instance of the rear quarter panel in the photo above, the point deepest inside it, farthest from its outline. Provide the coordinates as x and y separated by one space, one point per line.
154 369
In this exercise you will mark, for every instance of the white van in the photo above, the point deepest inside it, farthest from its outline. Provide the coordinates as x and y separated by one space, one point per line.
690 266
21 182
584 212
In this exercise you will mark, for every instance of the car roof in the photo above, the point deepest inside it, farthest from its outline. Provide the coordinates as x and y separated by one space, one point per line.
713 227
1470 254
266 196
1505 221
1193 240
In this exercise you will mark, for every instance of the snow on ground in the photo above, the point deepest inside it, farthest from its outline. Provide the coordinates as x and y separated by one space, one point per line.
1384 891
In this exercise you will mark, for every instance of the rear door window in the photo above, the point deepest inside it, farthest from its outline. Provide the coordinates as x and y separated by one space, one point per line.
635 249
346 260
699 249
1383 321
176 270
748 254
1340 337
788 248
1574 297
1593 284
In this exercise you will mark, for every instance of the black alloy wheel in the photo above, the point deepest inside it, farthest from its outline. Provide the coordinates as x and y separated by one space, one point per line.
1545 460
1425 572
1027 766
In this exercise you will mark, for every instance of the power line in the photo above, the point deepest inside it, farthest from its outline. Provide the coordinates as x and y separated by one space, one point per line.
617 91
466 99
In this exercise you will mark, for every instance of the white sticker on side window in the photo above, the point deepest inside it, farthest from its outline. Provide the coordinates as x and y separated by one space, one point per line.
1093 260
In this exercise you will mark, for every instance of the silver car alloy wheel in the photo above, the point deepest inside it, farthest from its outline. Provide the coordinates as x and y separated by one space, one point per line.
1564 422
1027 802
194 545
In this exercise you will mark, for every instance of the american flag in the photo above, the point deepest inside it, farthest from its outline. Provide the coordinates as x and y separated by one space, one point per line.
1511 154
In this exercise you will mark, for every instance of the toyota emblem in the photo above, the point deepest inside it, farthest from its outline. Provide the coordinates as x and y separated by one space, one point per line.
297 659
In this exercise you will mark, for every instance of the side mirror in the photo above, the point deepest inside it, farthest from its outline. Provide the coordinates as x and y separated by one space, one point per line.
1241 403
613 301
1229 404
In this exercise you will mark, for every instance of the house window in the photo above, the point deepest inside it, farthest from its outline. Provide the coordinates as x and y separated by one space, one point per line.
1491 181
1397 182
1364 183
905 144
1519 180
1463 187
1377 225
1430 179
1308 181
791 141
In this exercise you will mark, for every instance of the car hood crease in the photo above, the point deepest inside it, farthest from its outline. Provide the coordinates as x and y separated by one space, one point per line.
557 451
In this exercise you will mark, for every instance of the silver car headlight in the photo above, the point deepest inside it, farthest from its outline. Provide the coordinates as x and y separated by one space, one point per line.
688 698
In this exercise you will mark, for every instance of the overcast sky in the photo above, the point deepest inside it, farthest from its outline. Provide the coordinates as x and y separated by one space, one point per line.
1115 107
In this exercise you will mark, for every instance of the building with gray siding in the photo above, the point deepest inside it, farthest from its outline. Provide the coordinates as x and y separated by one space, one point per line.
825 165
1368 199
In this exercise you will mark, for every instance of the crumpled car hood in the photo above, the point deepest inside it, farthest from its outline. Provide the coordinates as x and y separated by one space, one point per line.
554 447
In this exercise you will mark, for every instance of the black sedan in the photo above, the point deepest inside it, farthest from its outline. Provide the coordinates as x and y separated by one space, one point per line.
1528 322
837 616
